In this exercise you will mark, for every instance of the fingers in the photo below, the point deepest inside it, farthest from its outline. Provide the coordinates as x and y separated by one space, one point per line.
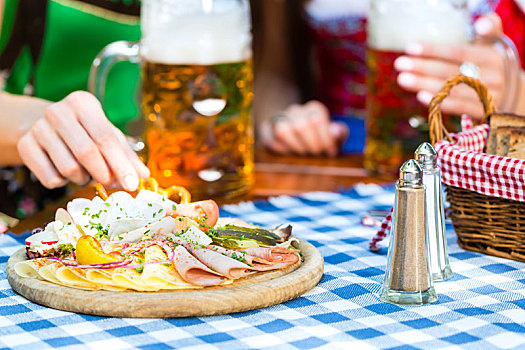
92 118
438 68
482 55
38 162
57 151
490 75
454 105
432 85
320 119
340 132
305 130
488 26
286 135
75 140
142 170
64 121
311 123
417 82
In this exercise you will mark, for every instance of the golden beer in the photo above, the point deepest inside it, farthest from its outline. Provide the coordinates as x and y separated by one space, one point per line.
199 130
196 62
391 138
396 121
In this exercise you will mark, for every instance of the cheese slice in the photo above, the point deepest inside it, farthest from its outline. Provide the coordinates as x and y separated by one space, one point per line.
130 279
162 275
74 277
30 268
49 272
102 278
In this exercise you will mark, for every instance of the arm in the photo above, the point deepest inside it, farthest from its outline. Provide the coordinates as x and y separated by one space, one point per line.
274 84
301 129
70 140
17 114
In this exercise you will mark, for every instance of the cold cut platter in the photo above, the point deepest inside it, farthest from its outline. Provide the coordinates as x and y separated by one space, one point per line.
144 255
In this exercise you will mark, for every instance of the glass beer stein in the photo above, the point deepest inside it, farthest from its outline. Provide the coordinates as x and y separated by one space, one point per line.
396 121
196 94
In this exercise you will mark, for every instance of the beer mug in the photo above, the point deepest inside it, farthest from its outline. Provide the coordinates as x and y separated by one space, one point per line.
196 66
396 121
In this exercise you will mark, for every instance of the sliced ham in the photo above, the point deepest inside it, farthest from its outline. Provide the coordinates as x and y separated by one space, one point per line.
257 263
273 254
233 253
193 271
223 264
239 265
217 261
284 259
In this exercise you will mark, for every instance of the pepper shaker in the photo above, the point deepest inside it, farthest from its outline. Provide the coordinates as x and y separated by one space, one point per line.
439 265
407 278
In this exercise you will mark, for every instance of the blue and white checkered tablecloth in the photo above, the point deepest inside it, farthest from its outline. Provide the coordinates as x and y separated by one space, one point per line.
482 307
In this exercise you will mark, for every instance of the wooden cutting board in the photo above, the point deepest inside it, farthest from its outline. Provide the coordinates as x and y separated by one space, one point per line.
253 292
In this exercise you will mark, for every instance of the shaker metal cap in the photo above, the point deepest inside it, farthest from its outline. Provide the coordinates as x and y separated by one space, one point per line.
410 173
426 155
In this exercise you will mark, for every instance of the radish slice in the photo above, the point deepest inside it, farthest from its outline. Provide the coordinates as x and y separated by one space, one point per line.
196 236
134 208
161 227
63 216
86 213
154 197
117 198
38 239
124 225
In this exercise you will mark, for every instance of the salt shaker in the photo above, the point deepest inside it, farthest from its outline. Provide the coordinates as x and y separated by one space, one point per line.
407 278
437 242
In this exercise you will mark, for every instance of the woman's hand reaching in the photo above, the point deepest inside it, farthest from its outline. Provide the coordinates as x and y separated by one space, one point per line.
75 141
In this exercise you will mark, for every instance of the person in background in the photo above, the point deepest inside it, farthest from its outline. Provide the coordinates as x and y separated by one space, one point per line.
336 55
60 133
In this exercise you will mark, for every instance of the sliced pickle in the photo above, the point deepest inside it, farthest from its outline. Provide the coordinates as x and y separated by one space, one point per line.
259 235
233 243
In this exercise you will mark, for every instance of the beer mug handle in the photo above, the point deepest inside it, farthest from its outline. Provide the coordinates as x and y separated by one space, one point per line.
102 64
512 66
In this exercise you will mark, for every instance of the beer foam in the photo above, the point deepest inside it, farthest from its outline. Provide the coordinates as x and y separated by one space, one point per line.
210 33
394 24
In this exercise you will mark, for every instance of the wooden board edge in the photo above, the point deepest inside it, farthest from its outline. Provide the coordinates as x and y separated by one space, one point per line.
178 303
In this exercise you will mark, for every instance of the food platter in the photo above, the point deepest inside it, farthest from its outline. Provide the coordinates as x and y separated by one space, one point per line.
255 291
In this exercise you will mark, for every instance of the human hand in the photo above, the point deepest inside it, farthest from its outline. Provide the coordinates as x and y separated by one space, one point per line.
426 67
304 130
75 140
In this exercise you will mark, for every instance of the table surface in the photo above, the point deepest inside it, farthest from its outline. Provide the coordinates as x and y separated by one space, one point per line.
481 307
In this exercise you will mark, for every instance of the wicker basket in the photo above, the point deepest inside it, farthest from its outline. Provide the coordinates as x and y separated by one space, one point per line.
485 224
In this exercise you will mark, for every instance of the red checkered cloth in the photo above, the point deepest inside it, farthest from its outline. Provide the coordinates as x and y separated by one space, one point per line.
463 164
383 231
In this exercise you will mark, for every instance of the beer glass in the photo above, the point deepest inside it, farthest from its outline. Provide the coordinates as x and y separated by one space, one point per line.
196 66
396 121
